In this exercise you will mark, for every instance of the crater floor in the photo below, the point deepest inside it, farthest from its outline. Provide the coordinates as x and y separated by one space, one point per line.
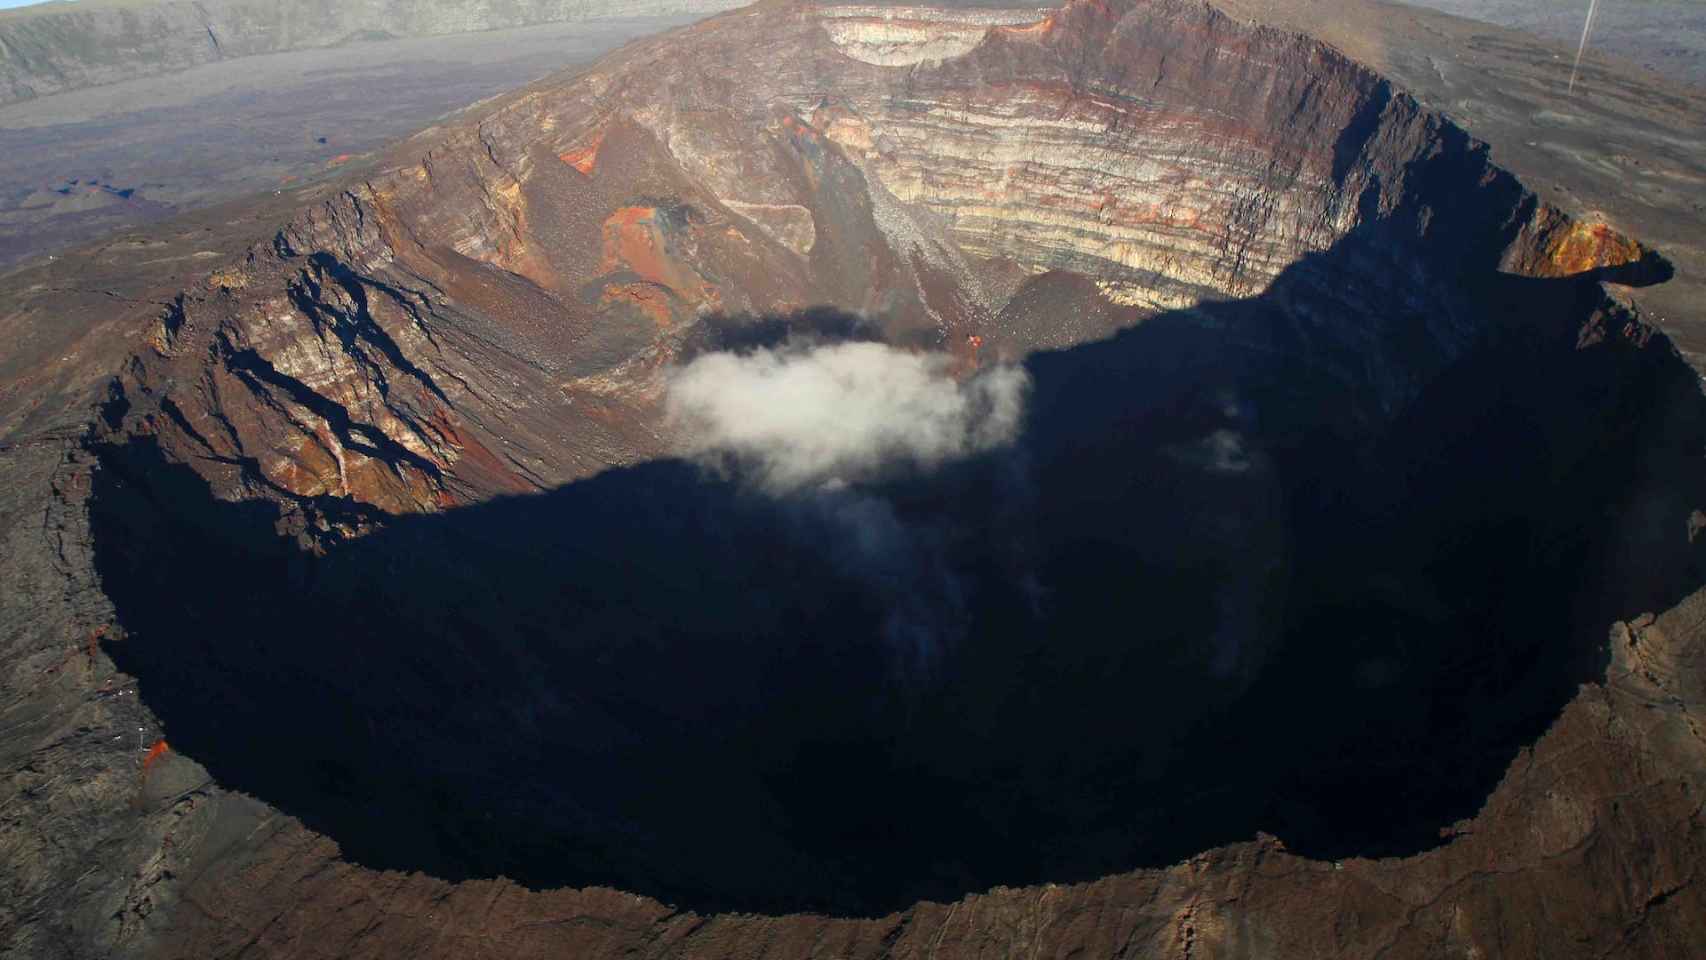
1191 604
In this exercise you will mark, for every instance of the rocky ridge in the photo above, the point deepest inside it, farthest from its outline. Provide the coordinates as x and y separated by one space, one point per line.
357 355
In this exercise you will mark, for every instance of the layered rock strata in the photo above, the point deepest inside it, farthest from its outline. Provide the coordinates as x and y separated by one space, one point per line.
412 342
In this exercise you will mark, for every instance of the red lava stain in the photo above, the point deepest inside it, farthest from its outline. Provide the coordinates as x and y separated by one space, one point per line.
799 129
584 158
155 752
632 238
90 648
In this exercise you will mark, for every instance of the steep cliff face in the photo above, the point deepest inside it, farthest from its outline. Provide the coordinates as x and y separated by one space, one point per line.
569 240
43 52
1339 464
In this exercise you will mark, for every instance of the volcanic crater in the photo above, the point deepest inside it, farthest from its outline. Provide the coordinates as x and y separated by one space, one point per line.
1337 461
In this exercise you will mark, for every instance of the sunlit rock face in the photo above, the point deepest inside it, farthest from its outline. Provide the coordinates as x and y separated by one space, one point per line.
421 340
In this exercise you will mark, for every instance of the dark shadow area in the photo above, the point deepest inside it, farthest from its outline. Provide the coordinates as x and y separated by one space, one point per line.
817 325
1651 269
1245 571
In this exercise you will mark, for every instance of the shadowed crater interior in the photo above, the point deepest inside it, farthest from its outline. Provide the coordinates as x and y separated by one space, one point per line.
1222 583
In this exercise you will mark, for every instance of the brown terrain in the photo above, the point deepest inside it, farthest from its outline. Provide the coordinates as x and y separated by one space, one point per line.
1340 595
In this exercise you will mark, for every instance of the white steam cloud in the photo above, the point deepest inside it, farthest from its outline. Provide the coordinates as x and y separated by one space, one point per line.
816 426
794 419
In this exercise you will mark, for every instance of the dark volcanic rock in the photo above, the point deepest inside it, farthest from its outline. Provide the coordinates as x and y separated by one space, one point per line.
1338 598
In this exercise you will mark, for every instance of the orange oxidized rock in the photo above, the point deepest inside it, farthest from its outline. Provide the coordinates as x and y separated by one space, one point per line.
155 752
